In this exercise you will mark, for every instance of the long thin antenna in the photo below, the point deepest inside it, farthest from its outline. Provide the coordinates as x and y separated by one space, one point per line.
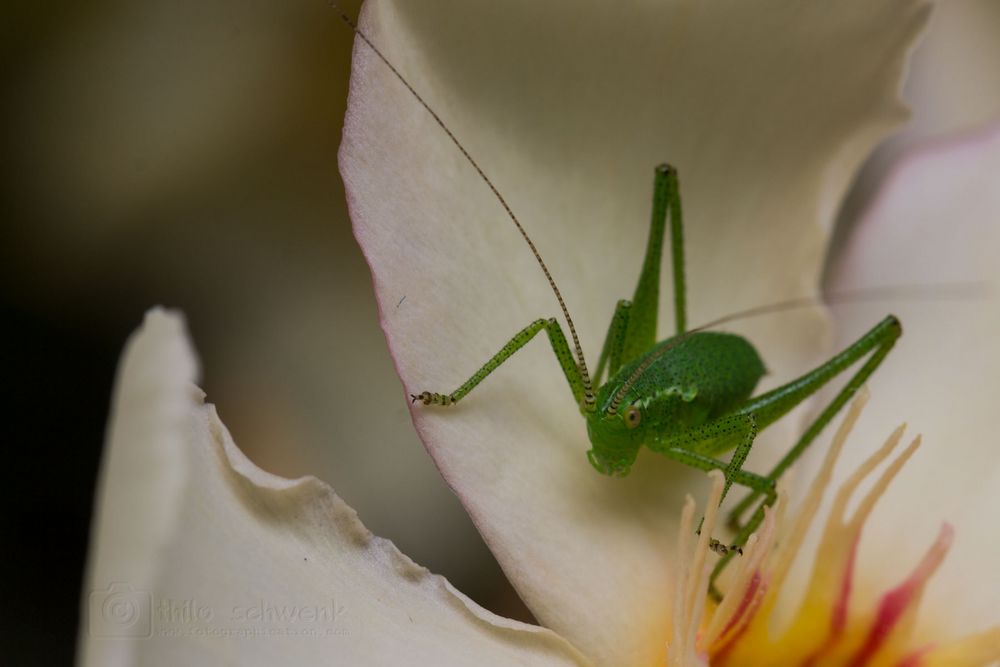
589 401
939 292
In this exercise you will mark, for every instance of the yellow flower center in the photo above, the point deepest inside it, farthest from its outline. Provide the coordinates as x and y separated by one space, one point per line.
826 630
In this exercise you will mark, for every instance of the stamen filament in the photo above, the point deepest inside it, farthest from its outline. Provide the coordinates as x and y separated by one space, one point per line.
827 629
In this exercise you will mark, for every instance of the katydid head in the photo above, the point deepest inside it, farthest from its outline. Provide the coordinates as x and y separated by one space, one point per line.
615 439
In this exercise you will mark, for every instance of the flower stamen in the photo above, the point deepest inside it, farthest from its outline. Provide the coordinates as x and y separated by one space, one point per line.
827 629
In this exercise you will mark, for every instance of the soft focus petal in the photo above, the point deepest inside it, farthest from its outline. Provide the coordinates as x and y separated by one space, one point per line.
937 221
202 558
951 86
144 473
765 108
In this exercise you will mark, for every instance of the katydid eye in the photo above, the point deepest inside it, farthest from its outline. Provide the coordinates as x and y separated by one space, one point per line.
632 416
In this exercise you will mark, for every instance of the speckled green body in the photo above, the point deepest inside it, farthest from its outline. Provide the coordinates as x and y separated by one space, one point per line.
693 379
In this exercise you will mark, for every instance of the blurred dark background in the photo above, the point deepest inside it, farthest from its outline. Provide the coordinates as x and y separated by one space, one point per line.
184 153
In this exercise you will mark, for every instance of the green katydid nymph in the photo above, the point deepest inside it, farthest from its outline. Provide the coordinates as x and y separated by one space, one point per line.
689 397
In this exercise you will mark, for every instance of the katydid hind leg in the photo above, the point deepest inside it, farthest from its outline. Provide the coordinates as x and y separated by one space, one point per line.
640 335
774 404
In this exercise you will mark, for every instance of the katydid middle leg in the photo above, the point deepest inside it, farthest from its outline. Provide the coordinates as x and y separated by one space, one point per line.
689 447
614 341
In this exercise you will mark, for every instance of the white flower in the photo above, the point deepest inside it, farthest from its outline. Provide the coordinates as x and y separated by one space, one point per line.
766 111
201 558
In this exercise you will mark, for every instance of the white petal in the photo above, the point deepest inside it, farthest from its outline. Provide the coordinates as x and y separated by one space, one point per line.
201 558
953 84
936 221
765 110
144 472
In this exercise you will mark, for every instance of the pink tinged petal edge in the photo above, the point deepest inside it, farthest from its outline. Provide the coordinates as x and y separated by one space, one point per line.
241 534
515 453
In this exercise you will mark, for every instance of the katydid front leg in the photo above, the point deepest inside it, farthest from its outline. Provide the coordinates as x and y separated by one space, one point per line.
633 329
520 339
